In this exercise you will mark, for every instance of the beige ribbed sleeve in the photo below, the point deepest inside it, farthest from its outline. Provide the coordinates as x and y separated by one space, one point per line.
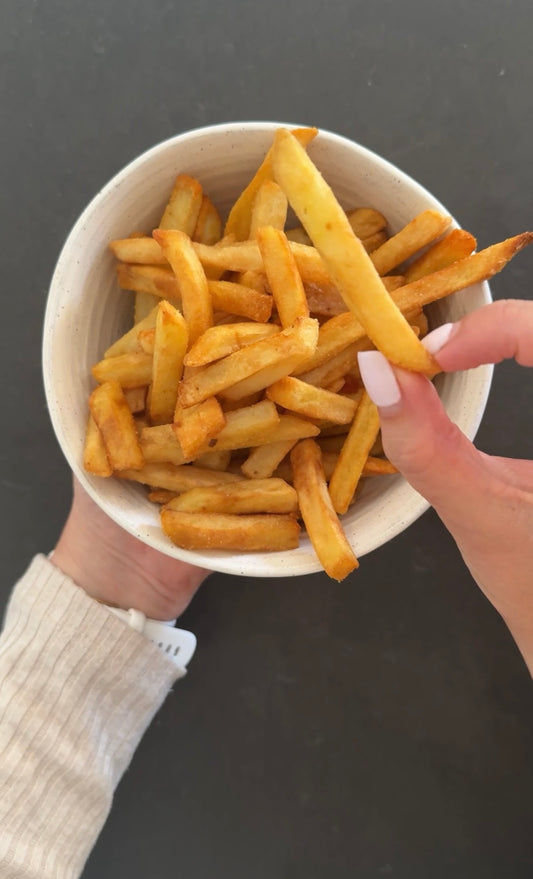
78 688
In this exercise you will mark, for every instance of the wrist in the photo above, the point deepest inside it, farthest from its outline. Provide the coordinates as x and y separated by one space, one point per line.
115 568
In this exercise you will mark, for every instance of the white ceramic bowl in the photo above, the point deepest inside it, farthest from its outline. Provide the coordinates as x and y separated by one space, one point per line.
86 311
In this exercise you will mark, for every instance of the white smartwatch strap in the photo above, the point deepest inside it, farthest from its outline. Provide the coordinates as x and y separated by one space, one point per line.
178 644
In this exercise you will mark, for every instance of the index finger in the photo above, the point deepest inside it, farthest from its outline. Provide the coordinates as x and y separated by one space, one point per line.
493 333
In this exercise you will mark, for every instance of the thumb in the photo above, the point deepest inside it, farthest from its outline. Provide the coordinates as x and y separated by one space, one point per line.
427 448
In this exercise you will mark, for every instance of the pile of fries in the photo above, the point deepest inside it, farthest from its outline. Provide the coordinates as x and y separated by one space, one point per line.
235 397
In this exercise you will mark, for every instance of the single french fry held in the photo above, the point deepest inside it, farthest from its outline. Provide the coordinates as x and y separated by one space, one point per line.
345 257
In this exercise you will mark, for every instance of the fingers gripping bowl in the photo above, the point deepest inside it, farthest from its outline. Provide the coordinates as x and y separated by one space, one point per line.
86 313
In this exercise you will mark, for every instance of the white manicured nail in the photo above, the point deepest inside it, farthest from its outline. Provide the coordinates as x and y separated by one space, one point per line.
437 339
379 379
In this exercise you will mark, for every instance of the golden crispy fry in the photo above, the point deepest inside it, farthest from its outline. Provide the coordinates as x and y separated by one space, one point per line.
146 340
366 222
196 426
129 370
310 401
353 455
195 296
114 420
423 229
282 273
374 241
170 345
345 257
215 460
136 399
95 458
176 478
224 339
238 222
270 208
326 301
248 496
244 428
142 251
323 527
240 300
208 229
252 533
455 245
129 342
159 443
338 366
297 341
183 206
153 280
263 460
161 495
472 269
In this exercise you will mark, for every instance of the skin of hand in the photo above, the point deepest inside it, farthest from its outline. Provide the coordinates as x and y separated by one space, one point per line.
116 568
485 502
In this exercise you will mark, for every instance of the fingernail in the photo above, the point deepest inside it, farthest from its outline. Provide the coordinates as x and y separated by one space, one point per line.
437 339
379 379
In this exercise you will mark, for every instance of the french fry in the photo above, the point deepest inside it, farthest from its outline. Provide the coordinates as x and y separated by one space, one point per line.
322 524
129 370
455 245
161 495
197 426
282 273
339 366
480 266
183 205
95 458
224 339
269 208
129 342
215 460
195 296
366 222
326 301
114 420
170 345
241 300
208 229
422 230
310 401
353 455
146 340
248 496
297 341
176 478
138 251
345 257
373 242
238 222
264 460
136 399
157 281
252 533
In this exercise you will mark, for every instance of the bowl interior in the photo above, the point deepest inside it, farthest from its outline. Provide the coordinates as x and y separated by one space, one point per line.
86 311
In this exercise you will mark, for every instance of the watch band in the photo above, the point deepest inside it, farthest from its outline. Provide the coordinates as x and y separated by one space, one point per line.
177 644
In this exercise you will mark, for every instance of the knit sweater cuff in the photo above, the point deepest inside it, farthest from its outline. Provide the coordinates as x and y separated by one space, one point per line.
78 688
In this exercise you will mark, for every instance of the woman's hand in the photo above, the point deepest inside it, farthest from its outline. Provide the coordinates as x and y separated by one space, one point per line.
485 502
116 568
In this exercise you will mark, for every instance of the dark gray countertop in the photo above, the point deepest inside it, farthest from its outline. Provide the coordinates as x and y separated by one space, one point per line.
381 727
